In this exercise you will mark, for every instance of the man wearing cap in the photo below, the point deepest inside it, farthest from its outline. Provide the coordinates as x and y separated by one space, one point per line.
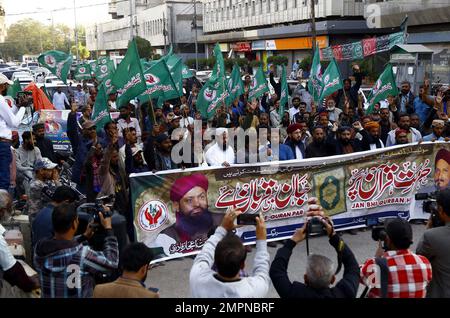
189 196
8 122
333 112
44 144
345 143
127 121
408 274
370 135
439 133
60 99
442 169
221 153
41 186
401 137
186 120
298 138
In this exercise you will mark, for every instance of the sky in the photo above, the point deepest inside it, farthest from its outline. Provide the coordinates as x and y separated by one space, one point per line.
41 10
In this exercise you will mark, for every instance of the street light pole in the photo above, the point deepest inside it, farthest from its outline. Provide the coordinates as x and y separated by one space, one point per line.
131 21
313 25
195 28
76 29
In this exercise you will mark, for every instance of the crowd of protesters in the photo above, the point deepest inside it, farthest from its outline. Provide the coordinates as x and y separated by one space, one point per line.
142 140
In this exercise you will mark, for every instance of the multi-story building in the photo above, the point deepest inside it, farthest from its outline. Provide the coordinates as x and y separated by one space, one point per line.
163 23
257 29
428 24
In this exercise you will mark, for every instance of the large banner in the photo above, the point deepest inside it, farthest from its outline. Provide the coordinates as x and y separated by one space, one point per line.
175 212
361 49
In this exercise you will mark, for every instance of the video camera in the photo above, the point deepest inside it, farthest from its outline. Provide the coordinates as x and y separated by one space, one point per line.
430 206
378 227
23 99
94 209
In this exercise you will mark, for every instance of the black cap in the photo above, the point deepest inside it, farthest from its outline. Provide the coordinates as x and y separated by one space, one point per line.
400 233
38 126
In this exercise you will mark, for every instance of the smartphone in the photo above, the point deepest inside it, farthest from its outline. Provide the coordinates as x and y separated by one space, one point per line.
247 219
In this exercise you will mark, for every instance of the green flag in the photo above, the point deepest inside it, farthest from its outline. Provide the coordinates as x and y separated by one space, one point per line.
14 89
57 62
210 97
385 86
104 67
100 113
218 73
176 69
93 65
331 80
159 83
315 79
129 77
235 85
187 73
284 98
258 86
83 72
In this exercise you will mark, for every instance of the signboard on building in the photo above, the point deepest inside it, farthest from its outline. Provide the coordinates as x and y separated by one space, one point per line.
259 45
224 47
242 47
302 43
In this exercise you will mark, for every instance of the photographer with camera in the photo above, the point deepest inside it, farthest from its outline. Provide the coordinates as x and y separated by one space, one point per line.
66 267
319 274
8 121
435 246
395 272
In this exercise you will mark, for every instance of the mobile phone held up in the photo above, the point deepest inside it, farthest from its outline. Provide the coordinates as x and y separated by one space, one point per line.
247 219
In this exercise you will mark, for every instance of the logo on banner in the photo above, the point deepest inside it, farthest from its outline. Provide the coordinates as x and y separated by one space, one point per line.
377 87
151 79
210 94
152 215
104 69
254 83
326 79
108 83
50 61
82 70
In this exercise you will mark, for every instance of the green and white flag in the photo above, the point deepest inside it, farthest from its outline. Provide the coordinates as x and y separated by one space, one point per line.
159 83
384 86
258 86
175 65
83 72
100 113
104 68
129 77
57 62
315 80
187 73
235 85
93 65
218 74
210 97
14 89
331 80
284 98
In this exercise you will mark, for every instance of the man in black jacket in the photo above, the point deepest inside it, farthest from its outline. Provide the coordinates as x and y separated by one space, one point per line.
320 147
319 272
44 144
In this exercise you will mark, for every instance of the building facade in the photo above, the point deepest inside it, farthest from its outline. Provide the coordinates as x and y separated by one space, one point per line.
257 29
163 23
428 24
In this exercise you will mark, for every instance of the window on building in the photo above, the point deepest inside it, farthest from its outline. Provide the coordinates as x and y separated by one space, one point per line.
253 8
246 10
276 6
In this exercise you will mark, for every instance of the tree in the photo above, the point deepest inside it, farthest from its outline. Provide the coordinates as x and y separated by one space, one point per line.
144 48
83 52
29 36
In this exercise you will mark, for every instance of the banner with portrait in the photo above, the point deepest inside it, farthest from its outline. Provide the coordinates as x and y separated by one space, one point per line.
176 211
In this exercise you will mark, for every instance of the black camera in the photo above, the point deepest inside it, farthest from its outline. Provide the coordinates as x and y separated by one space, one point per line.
429 205
24 99
94 209
378 228
316 227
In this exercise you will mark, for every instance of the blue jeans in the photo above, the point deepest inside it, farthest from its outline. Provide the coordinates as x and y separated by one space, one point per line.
5 162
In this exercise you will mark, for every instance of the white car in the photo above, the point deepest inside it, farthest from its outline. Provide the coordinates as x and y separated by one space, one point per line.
24 78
